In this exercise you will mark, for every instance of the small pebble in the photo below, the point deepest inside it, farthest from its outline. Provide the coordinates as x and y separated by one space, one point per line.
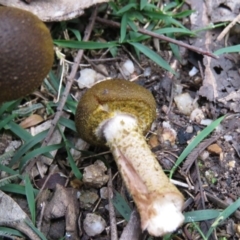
185 103
88 77
94 175
197 115
215 149
128 68
104 193
193 72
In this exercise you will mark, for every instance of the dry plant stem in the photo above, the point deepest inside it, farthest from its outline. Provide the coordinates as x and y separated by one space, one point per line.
159 36
112 215
158 201
227 29
70 79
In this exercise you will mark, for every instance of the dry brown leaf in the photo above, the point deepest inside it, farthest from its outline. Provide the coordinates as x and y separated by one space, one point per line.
53 10
221 76
31 121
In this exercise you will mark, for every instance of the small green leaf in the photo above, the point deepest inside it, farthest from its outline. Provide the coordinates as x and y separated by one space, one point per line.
127 8
121 205
76 33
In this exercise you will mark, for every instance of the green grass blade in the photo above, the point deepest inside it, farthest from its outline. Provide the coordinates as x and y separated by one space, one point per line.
132 25
27 146
18 131
153 56
203 134
40 234
72 163
123 29
84 45
76 33
9 106
223 215
30 198
6 180
6 120
67 123
7 170
37 152
230 49
174 30
183 14
10 232
16 188
127 8
201 215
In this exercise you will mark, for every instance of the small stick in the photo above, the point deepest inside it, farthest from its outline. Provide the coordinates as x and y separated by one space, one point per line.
161 37
112 215
228 27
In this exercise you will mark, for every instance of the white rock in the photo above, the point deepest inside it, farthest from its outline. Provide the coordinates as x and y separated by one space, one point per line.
189 129
93 224
88 77
185 103
206 122
193 72
228 138
128 68
204 155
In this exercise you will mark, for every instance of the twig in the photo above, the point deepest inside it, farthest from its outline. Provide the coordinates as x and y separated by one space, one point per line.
159 36
70 81
112 215
227 29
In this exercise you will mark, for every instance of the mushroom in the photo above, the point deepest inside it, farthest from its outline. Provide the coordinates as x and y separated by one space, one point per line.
26 53
118 113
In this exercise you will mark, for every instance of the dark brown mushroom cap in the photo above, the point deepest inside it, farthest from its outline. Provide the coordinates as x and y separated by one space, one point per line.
26 53
103 100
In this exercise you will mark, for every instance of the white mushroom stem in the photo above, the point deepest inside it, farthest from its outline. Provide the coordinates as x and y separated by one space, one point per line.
159 202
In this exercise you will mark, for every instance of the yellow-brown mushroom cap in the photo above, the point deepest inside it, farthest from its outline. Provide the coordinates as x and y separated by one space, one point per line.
108 98
26 53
